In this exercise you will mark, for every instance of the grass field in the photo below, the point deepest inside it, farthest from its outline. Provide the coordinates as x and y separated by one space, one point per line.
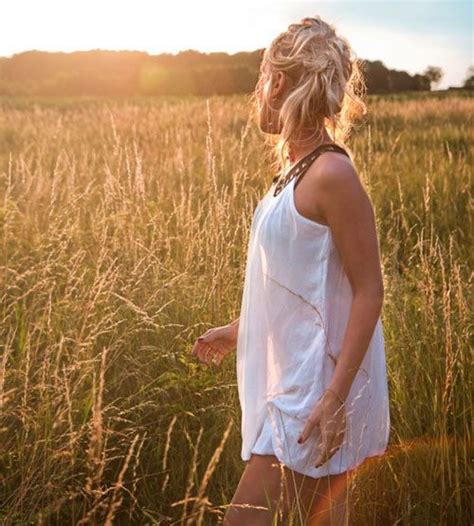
124 230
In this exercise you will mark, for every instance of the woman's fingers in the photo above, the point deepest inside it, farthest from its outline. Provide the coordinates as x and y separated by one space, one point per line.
206 353
326 449
217 359
332 438
209 349
198 348
195 350
215 356
326 440
310 424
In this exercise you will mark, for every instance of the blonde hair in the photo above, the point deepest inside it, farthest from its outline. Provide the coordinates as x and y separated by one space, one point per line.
326 85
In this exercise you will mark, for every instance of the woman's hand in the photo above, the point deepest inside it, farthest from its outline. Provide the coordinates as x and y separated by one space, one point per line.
215 343
330 415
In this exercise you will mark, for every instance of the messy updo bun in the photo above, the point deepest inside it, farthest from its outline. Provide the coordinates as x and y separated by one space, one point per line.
326 86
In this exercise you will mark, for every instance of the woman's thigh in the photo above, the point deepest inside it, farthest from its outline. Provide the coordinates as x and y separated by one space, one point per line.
269 493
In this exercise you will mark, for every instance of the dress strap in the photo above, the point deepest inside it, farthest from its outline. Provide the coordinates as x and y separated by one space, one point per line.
324 148
300 168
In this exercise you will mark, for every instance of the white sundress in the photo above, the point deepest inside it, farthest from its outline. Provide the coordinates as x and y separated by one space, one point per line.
295 307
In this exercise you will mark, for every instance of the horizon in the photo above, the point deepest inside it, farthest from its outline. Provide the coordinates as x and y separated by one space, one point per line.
404 36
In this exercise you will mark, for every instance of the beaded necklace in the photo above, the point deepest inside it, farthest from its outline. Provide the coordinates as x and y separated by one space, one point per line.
280 181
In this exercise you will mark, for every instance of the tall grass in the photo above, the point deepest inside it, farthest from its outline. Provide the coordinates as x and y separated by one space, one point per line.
124 232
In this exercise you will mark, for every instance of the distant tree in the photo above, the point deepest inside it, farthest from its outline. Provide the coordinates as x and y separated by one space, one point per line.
422 82
376 76
434 74
401 81
127 73
469 82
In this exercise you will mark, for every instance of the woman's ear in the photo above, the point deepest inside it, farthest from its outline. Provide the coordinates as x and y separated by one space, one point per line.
279 85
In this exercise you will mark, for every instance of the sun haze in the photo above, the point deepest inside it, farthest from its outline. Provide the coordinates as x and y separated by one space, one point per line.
404 35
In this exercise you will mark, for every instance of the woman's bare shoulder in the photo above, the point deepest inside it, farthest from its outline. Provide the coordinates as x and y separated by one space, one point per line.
333 171
335 187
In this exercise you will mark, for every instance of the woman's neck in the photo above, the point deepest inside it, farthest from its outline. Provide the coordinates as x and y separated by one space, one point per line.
299 148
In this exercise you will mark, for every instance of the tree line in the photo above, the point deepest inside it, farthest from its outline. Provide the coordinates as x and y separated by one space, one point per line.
128 73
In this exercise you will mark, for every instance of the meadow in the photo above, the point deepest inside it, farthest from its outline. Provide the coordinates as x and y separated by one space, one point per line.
124 228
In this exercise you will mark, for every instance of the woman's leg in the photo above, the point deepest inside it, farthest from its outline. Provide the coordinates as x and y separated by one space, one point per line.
269 490
331 505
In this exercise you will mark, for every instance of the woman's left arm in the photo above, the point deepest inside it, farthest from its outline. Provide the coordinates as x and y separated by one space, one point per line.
351 217
349 212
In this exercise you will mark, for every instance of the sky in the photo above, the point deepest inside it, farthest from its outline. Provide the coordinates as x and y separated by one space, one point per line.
404 35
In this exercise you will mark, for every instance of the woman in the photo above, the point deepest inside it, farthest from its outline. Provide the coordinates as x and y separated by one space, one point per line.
310 350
